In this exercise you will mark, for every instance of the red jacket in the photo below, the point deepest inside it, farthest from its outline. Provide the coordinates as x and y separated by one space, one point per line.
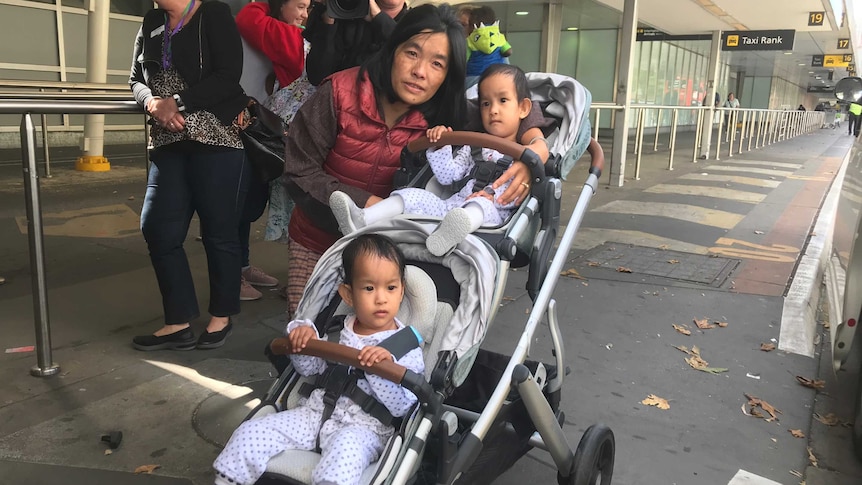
281 42
366 153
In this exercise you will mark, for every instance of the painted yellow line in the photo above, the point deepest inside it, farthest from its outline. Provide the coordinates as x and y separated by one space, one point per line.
718 192
683 212
590 237
764 171
736 179
809 178
109 221
794 166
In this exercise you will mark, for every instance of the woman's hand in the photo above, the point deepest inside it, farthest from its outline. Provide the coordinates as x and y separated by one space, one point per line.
373 10
435 133
300 336
371 355
519 189
166 114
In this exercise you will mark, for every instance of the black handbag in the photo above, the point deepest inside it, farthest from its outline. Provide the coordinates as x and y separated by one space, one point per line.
262 136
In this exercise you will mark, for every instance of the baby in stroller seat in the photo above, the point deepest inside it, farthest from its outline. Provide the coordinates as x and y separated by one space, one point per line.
504 102
350 429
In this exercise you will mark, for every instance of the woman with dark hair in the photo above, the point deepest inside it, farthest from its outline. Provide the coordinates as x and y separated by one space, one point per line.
349 135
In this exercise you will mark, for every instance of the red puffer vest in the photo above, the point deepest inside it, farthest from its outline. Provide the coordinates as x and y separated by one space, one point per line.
366 153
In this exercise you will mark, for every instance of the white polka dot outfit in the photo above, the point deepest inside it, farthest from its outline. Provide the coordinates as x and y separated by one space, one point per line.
350 439
449 168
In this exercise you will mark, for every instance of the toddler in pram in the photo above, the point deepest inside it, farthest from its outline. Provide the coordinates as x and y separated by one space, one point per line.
349 428
472 174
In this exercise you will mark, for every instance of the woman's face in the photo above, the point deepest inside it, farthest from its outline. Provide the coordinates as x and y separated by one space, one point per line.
294 12
420 66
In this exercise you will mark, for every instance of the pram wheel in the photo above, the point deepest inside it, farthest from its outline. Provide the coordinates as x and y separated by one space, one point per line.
594 458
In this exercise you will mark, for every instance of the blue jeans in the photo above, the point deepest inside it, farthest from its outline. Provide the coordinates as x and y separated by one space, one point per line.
186 178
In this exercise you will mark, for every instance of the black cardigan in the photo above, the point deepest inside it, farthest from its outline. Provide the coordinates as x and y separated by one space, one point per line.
207 52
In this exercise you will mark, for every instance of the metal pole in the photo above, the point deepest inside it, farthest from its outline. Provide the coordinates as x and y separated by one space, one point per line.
596 128
718 134
697 135
731 130
639 145
657 126
751 126
742 131
45 363
45 142
672 138
639 131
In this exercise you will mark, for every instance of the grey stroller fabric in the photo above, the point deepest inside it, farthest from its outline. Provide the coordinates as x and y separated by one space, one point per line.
568 101
473 264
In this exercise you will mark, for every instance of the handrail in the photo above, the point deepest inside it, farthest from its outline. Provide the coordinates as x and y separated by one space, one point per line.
8 95
45 365
15 83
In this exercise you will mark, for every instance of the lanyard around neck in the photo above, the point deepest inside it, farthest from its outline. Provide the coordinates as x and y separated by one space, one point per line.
169 34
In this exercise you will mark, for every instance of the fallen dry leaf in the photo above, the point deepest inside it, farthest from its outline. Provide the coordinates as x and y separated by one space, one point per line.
673 261
812 384
585 283
696 362
811 457
797 433
681 329
829 420
755 402
147 468
572 273
623 269
720 324
703 323
796 473
593 263
109 451
508 298
682 348
653 400
767 347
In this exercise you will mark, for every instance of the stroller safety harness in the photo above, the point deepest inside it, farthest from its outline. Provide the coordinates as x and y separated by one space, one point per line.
340 380
485 172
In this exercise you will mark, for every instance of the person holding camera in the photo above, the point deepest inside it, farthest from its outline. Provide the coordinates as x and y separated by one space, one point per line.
345 33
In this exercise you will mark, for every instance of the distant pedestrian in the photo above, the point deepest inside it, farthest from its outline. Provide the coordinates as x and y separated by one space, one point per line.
855 111
801 108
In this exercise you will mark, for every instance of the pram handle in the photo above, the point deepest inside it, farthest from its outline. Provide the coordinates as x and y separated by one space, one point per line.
472 138
342 354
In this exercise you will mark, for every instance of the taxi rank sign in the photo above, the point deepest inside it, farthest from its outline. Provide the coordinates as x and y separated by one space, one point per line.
758 40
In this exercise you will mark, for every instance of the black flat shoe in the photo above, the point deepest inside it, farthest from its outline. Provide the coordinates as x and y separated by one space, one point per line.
214 340
182 340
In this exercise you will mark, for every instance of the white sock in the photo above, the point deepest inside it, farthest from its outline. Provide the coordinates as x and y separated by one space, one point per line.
385 209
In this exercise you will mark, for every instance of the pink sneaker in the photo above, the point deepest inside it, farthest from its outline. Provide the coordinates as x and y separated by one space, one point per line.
248 292
255 276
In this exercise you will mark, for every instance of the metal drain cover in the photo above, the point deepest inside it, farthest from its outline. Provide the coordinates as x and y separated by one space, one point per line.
676 265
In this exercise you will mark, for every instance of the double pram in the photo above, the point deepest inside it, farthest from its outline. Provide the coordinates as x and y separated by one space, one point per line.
477 411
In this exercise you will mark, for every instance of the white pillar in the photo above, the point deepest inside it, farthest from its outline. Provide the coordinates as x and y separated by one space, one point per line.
552 23
624 88
93 159
712 74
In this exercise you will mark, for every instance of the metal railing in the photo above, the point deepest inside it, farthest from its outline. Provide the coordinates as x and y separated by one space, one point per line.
45 365
739 128
29 90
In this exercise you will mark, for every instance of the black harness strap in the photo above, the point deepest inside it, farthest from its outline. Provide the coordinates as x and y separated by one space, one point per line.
341 380
484 172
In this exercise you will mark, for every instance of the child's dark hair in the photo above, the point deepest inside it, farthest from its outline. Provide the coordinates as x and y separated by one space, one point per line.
371 245
275 8
515 72
482 15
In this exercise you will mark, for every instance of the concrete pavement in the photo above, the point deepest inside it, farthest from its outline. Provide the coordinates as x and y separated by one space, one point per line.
735 229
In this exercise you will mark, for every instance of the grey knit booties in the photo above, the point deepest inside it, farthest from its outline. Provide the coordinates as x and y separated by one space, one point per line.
349 216
451 231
